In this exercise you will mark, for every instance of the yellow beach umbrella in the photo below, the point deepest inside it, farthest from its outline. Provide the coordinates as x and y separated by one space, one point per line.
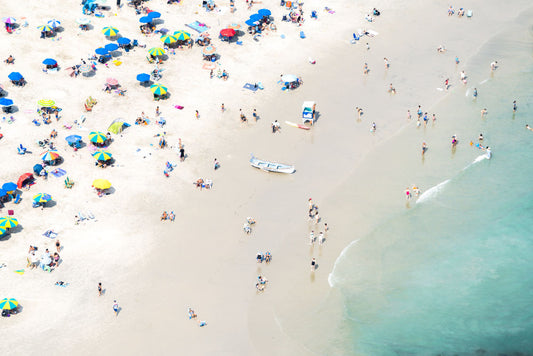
101 184
156 51
46 103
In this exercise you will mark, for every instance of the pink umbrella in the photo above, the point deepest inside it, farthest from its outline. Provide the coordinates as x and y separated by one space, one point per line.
111 81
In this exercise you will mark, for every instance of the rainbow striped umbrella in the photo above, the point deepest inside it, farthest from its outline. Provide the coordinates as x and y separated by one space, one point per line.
50 156
101 184
156 51
7 222
102 155
158 89
8 303
45 28
168 39
46 103
42 198
97 137
182 35
110 31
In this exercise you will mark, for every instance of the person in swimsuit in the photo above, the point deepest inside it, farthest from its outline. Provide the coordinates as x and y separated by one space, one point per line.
100 289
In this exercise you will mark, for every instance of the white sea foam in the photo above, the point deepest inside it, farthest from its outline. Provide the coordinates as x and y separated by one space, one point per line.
432 192
478 159
331 277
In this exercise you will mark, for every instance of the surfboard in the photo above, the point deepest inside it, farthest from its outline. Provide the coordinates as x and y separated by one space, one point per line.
303 127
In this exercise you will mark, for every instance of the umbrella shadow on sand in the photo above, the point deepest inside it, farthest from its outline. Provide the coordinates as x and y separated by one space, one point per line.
10 109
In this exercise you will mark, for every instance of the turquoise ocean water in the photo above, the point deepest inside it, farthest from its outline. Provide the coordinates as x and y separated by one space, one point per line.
453 275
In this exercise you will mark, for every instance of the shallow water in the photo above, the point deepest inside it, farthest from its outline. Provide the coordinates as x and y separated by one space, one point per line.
452 275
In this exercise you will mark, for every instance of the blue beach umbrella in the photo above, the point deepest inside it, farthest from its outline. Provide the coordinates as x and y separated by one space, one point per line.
145 19
37 168
264 12
111 47
251 23
54 23
9 187
154 15
3 193
123 41
256 17
6 102
143 77
50 62
15 76
101 51
73 138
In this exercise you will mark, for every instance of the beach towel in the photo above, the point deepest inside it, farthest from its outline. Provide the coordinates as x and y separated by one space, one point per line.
50 234
179 107
209 66
250 87
198 26
58 172
19 271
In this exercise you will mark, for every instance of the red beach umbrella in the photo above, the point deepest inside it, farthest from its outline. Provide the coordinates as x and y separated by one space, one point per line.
227 32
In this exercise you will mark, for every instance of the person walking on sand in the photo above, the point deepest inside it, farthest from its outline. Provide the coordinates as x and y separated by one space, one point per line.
407 193
222 109
197 114
313 265
365 69
312 237
475 93
424 148
483 112
182 154
409 115
514 106
493 66
115 307
157 112
387 65
446 83
99 289
254 114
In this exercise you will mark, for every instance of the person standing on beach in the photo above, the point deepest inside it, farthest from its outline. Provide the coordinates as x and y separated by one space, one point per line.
475 93
313 265
493 66
483 112
311 238
197 114
157 112
407 193
182 154
456 60
115 307
446 83
424 148
222 109
365 69
419 112
514 106
409 115
254 114
99 289
387 65
58 246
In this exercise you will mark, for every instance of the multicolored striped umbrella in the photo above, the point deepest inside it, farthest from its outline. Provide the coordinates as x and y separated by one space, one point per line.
182 35
156 51
7 222
45 28
42 198
54 23
102 155
50 156
9 20
46 103
101 184
97 137
110 31
168 39
8 303
158 89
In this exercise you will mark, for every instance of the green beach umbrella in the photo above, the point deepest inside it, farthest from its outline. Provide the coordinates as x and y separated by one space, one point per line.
168 39
158 89
8 303
46 103
102 155
110 31
156 51
97 137
44 28
182 35
7 222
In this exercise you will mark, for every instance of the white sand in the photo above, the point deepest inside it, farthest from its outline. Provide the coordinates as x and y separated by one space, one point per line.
156 270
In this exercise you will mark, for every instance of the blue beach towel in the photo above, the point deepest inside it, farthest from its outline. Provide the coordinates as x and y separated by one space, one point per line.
250 87
196 25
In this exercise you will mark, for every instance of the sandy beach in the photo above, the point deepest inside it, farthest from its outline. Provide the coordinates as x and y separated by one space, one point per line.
203 260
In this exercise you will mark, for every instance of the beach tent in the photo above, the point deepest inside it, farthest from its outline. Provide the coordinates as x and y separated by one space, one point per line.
24 179
37 169
117 126
9 187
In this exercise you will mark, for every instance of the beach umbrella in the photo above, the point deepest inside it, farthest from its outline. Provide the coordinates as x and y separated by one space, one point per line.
168 39
23 179
15 76
3 193
123 41
97 137
208 50
154 14
2 231
73 139
8 304
289 78
158 89
264 12
145 19
111 47
251 22
227 32
42 198
101 51
143 77
102 155
101 184
6 102
45 28
234 26
9 20
117 126
8 222
9 187
156 51
85 68
256 17
46 103
50 156
37 168
83 21
110 31
111 81
50 61
182 35
54 23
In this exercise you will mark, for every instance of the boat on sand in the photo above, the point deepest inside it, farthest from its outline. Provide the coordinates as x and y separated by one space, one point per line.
271 166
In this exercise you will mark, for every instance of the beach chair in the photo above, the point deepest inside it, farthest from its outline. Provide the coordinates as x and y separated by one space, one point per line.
87 108
17 199
68 183
21 149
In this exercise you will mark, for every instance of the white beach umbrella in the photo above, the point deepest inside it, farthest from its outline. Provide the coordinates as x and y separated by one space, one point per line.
83 21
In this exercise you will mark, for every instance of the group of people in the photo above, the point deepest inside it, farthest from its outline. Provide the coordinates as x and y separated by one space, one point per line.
47 261
168 216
